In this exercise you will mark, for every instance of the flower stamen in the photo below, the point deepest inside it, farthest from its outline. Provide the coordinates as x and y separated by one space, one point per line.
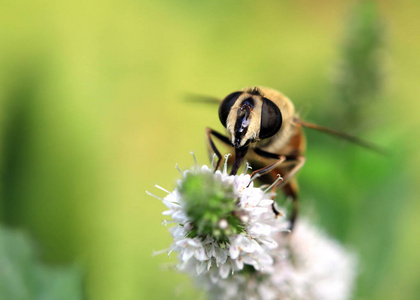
154 196
225 165
274 183
179 170
195 160
161 188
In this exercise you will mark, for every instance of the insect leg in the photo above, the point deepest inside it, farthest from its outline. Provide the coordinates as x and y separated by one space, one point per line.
290 189
265 170
222 138
296 160
299 162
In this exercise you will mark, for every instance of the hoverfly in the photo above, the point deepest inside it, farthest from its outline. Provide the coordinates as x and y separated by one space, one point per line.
263 128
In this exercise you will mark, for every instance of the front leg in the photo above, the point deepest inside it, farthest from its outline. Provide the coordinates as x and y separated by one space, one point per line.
220 137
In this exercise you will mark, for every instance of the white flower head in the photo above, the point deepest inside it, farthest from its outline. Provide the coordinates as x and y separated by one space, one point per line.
222 223
228 237
314 267
318 267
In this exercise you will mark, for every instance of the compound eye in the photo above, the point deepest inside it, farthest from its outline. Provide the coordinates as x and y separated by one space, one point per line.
271 119
226 106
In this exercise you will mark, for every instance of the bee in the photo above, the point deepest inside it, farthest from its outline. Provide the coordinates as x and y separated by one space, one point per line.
263 128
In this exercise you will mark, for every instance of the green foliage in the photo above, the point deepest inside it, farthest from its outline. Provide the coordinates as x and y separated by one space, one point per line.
355 189
24 277
209 201
358 82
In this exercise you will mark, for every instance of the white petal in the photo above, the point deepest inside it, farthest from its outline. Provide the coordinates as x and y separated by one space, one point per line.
250 261
200 267
200 254
234 252
221 256
187 254
270 243
239 264
224 271
265 202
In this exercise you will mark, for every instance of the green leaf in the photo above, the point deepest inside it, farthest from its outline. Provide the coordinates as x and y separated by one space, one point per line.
24 277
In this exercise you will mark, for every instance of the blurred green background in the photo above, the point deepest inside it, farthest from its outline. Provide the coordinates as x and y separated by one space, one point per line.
92 114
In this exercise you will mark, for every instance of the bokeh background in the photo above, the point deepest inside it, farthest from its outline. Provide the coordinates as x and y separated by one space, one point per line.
93 113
